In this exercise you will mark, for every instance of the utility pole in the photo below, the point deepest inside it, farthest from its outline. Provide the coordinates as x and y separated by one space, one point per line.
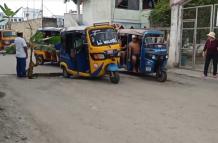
78 11
42 13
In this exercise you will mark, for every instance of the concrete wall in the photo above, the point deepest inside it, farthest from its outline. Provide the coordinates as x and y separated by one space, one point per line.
35 24
105 11
24 27
144 17
96 11
70 20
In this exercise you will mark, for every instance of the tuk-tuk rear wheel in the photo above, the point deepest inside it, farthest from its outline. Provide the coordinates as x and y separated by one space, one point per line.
114 77
39 60
162 76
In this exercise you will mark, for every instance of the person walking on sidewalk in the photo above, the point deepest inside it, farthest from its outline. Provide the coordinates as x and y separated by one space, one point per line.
210 52
21 54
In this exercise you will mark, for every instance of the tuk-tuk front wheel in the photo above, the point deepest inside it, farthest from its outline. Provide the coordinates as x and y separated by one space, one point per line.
39 60
162 76
114 77
65 73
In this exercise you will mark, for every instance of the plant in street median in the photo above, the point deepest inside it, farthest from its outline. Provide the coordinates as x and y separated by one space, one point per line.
34 40
9 13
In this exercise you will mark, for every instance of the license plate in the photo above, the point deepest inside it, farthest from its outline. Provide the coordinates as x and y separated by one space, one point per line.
148 69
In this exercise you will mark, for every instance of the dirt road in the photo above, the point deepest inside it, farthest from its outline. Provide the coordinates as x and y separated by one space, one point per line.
138 110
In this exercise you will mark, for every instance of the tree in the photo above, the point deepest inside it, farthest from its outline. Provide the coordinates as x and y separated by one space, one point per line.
201 2
9 13
160 15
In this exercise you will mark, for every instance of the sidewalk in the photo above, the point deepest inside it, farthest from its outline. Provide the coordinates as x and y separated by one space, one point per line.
190 73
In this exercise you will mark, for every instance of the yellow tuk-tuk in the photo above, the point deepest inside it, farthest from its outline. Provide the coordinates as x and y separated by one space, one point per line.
7 37
47 51
90 51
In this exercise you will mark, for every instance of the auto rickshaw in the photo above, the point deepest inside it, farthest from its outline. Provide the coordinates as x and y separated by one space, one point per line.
90 51
49 50
153 52
7 38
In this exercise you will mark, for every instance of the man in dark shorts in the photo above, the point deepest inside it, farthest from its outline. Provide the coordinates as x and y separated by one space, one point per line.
134 48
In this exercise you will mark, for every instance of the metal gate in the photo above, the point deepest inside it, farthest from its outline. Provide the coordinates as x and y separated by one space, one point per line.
196 24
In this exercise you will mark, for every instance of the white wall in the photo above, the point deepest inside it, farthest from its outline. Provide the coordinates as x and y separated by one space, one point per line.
126 17
96 11
144 16
70 20
105 11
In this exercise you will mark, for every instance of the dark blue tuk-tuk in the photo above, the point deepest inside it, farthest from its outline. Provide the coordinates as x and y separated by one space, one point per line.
153 52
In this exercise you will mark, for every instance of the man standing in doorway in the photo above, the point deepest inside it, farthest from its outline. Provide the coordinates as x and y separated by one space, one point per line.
210 52
21 54
134 48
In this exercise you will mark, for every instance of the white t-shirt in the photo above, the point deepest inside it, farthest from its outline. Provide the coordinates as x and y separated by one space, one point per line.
20 43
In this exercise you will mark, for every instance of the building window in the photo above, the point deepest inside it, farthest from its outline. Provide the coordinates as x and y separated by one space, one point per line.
15 20
149 4
127 4
20 20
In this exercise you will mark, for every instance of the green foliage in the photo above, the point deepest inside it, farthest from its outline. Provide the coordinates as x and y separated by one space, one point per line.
45 44
49 48
55 40
37 37
161 14
10 49
201 2
8 11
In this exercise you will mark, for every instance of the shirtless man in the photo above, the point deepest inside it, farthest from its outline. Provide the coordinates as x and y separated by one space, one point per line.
134 48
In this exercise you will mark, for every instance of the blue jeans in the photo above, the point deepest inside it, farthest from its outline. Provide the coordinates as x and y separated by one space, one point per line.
21 67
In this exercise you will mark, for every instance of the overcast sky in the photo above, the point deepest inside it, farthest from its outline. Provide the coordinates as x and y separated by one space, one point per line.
51 7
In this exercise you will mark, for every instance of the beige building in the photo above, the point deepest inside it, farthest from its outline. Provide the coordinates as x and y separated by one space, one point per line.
35 24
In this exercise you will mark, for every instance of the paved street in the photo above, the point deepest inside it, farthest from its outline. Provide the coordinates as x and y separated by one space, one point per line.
138 110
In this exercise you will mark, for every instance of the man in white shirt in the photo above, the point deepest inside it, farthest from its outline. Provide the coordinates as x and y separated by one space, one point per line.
21 55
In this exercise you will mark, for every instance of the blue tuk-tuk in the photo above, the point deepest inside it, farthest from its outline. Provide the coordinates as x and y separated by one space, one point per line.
153 54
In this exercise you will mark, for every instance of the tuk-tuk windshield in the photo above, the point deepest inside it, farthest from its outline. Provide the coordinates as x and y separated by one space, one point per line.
154 41
9 34
100 37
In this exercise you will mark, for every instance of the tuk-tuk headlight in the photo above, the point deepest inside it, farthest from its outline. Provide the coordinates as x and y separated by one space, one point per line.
98 56
153 57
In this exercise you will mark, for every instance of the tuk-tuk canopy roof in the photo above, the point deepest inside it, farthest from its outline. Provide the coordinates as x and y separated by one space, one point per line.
83 28
139 32
50 29
77 28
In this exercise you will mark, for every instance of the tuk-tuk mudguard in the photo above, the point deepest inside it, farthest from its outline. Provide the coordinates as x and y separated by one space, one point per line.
112 67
